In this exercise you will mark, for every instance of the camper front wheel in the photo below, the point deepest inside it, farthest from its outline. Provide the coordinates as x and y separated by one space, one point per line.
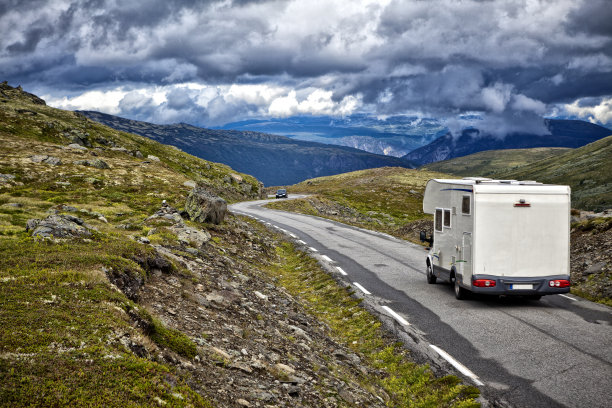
431 278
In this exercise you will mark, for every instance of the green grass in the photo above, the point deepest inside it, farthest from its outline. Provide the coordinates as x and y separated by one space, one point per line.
407 383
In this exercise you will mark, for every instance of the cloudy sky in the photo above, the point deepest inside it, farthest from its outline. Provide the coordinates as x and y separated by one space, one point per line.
213 62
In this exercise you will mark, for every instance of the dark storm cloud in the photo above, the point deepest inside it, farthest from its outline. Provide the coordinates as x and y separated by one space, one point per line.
508 59
592 17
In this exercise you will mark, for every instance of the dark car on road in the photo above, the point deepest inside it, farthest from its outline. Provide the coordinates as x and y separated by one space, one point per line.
281 193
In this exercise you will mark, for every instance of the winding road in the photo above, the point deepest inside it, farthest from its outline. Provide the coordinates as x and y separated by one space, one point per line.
550 353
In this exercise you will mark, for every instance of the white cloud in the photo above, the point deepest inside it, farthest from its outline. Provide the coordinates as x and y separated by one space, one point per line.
524 103
600 113
496 97
284 105
103 101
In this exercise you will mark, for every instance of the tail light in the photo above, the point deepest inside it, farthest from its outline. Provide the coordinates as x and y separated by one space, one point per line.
559 283
483 283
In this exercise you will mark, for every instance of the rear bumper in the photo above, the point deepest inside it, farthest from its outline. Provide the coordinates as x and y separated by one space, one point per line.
520 286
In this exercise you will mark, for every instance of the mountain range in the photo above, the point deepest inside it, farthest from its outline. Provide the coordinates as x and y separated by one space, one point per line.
392 135
273 159
563 133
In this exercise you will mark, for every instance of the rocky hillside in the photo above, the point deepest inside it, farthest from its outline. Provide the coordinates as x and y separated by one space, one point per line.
124 282
272 159
563 133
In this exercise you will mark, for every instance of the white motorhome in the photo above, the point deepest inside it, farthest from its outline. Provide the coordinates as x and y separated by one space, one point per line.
500 237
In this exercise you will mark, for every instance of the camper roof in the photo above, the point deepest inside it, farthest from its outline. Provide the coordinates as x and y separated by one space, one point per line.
485 186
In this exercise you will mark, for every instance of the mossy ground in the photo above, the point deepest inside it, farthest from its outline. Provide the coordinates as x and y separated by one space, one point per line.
61 329
406 383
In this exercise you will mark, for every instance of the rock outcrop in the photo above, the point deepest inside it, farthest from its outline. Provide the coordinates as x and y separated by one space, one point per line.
203 206
186 235
59 226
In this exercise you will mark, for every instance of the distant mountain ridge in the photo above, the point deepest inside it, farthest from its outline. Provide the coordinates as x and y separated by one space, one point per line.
273 159
392 136
563 133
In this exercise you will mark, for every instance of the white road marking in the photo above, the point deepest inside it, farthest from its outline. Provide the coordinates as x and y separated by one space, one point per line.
327 258
313 249
463 369
397 317
341 270
570 298
301 242
361 288
292 235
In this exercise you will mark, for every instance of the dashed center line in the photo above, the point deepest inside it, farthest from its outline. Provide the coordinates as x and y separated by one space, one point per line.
397 317
570 298
292 235
327 258
313 249
301 242
462 369
361 288
341 270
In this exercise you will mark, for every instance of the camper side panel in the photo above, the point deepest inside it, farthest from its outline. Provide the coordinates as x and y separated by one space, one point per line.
453 231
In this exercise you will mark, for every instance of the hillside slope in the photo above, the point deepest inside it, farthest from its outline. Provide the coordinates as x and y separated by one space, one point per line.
385 199
563 133
587 170
111 296
491 162
273 159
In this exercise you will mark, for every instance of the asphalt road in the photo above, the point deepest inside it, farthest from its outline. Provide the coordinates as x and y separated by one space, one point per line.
549 353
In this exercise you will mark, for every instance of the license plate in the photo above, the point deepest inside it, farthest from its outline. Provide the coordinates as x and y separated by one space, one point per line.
520 286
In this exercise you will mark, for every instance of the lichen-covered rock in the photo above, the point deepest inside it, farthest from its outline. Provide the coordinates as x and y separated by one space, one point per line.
58 226
97 163
43 158
204 206
6 178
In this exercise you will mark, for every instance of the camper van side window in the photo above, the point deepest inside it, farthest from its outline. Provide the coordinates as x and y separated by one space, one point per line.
438 220
447 218
465 205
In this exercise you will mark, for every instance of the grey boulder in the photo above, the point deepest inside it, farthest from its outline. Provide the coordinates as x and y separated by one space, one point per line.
204 206
58 226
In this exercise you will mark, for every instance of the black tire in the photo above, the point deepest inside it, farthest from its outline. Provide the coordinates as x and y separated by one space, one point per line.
431 278
460 293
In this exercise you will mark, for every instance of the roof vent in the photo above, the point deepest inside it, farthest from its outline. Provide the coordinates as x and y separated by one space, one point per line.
477 179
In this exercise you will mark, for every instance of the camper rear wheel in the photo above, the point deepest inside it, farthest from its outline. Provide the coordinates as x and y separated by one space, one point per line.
460 293
431 278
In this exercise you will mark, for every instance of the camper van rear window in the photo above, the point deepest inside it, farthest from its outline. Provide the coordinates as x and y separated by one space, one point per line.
438 220
447 218
465 205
